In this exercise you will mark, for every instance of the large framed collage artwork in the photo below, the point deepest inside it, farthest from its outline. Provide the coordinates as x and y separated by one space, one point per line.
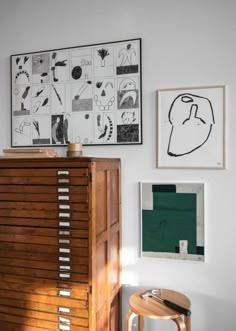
88 94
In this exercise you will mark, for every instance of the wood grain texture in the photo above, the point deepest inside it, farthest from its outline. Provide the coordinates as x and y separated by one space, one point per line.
150 308
60 244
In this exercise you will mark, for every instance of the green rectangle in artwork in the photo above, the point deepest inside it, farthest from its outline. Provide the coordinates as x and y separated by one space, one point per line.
173 219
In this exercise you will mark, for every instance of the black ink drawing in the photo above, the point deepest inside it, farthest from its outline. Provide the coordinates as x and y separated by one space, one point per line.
40 130
57 94
57 64
41 68
126 55
104 95
23 97
38 105
128 117
66 128
127 94
127 59
40 99
36 126
102 129
76 72
82 100
127 133
103 53
20 63
21 100
81 64
22 125
59 98
40 90
82 89
191 118
105 129
57 129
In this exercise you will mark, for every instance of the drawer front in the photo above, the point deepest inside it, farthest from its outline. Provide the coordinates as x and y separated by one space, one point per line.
39 172
44 222
44 249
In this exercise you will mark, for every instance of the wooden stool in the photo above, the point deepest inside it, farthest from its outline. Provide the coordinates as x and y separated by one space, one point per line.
150 308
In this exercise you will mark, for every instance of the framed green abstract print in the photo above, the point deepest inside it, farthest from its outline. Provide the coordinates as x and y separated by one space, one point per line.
172 220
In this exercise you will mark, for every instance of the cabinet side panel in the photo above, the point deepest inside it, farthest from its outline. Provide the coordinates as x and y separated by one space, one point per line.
101 202
107 256
114 196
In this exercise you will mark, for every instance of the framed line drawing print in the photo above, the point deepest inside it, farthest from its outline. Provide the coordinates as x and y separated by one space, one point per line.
191 127
172 220
87 94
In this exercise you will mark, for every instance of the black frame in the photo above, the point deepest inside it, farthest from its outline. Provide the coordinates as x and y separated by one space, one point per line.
56 99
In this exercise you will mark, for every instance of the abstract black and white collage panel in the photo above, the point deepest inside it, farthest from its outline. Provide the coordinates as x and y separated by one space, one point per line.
87 94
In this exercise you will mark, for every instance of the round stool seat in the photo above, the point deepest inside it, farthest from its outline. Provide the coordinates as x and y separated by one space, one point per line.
151 308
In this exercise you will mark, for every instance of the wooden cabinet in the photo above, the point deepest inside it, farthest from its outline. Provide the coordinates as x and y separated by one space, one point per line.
60 244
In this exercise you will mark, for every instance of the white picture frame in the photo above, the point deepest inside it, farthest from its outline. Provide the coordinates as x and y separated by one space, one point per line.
191 127
172 220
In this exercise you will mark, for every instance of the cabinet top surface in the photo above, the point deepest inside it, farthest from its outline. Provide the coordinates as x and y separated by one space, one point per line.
53 161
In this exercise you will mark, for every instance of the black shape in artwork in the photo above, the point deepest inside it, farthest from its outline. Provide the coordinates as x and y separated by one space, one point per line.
55 64
66 128
192 118
82 89
127 95
24 96
57 129
20 62
103 53
127 133
39 92
126 56
36 126
166 188
76 72
106 130
98 84
26 58
200 250
57 94
128 117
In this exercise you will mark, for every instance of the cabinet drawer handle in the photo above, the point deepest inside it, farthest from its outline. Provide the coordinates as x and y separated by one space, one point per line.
63 197
64 207
63 190
63 181
64 275
64 215
64 250
64 327
64 241
64 267
64 233
64 293
64 320
64 259
63 172
64 310
64 224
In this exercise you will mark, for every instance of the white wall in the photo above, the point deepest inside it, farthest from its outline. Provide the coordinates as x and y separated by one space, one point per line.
185 43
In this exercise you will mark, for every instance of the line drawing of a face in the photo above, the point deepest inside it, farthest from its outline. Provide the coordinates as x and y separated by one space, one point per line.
192 118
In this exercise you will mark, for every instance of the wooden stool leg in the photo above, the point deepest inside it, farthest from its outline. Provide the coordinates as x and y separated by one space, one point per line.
140 323
180 323
187 320
128 321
